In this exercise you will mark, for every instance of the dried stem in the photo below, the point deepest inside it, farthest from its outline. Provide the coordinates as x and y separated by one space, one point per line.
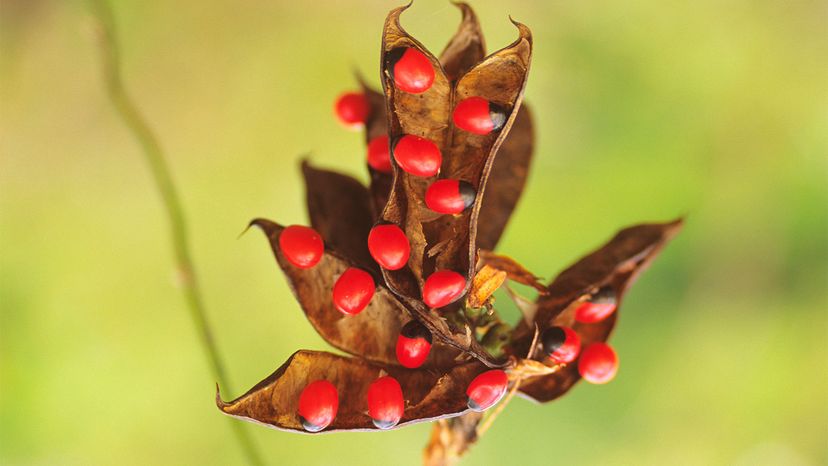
154 157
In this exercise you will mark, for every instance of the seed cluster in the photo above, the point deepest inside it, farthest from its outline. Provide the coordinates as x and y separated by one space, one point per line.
412 72
598 362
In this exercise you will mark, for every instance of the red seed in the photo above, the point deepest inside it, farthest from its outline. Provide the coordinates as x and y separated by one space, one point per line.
301 245
379 157
352 109
385 402
418 156
561 344
318 404
443 287
600 306
449 196
487 389
389 246
353 291
411 69
413 345
479 116
598 363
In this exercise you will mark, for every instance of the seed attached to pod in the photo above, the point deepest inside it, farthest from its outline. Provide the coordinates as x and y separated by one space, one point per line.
411 69
479 116
413 345
301 245
597 308
353 291
561 344
449 196
442 288
352 109
385 402
487 389
389 246
598 363
417 156
318 404
379 156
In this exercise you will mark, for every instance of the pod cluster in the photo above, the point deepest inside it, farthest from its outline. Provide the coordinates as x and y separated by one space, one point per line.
411 72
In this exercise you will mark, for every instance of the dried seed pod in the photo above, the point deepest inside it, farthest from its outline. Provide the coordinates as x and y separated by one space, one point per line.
275 400
382 318
339 209
615 264
446 242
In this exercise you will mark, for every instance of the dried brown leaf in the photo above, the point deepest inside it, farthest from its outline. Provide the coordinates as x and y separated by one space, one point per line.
617 264
274 401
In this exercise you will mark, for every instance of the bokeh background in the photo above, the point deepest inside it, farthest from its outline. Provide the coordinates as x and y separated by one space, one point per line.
645 111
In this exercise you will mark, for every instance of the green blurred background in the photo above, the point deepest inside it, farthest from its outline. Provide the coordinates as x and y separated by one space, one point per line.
645 111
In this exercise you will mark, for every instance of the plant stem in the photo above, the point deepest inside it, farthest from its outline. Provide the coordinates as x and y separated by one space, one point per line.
154 156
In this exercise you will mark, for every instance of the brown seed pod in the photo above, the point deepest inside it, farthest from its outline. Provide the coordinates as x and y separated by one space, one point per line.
274 401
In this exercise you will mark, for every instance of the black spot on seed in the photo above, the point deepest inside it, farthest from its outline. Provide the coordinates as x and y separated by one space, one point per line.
552 339
467 193
415 329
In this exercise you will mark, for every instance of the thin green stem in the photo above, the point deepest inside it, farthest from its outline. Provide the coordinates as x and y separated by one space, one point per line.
154 157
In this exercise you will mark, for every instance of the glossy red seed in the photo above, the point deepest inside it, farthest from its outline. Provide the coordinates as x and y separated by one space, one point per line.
417 156
449 196
353 291
561 344
598 307
352 109
318 404
411 69
487 389
379 156
389 246
385 402
413 345
598 363
479 116
443 287
301 245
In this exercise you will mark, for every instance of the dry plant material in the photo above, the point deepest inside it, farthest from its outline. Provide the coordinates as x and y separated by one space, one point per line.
468 107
